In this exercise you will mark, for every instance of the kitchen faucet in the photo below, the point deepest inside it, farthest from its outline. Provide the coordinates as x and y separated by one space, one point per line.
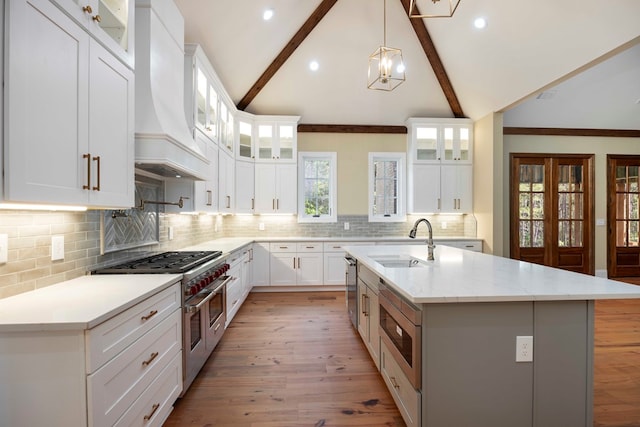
430 244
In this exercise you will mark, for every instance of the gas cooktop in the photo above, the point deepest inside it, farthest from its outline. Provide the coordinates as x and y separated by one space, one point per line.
166 262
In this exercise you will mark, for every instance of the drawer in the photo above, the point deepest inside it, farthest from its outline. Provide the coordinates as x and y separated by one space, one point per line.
109 338
114 387
309 247
156 403
338 246
282 247
470 245
408 399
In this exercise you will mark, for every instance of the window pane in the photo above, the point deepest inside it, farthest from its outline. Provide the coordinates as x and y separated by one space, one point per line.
621 178
317 185
537 177
525 178
577 206
576 234
633 206
633 234
621 233
538 205
621 206
525 206
564 236
538 234
564 206
563 178
633 178
576 178
525 234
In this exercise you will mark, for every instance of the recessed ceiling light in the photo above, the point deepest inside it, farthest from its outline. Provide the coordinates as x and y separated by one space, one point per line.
400 68
268 14
313 65
480 23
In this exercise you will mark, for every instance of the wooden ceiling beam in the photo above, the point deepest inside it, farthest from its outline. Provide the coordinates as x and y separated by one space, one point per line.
434 59
615 133
286 52
352 128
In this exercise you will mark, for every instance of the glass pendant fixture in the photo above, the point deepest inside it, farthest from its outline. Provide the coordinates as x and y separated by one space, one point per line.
386 66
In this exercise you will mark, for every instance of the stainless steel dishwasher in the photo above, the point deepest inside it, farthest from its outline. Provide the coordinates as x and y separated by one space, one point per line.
351 281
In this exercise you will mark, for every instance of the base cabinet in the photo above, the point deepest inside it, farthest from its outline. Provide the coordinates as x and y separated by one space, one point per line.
296 263
126 371
369 312
408 400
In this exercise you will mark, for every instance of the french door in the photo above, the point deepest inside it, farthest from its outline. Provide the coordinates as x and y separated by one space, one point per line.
623 216
552 210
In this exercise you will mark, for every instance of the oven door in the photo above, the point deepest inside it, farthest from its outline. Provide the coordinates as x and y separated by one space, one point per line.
194 340
216 315
402 337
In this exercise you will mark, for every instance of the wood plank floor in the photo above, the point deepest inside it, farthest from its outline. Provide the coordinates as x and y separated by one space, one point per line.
289 359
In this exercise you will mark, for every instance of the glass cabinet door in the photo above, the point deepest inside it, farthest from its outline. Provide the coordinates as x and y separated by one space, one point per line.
201 100
465 144
114 18
244 140
212 111
285 142
448 144
426 143
265 142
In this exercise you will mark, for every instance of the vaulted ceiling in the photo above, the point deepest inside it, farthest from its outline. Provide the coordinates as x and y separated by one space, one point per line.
583 54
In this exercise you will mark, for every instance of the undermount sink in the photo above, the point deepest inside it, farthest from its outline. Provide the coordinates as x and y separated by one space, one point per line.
399 261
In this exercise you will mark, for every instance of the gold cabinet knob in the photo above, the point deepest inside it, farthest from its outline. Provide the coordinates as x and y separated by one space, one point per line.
87 9
97 18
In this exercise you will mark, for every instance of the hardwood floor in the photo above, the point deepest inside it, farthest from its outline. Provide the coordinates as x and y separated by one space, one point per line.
291 359
288 359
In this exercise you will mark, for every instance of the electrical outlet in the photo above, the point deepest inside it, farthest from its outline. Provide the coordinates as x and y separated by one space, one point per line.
524 349
261 226
443 225
4 248
346 225
57 248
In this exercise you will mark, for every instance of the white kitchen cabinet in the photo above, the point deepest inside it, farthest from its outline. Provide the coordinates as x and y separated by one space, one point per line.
235 288
296 264
245 181
201 101
197 196
276 188
110 22
247 270
85 126
440 141
226 176
407 399
334 264
126 370
244 136
260 264
276 138
440 189
226 130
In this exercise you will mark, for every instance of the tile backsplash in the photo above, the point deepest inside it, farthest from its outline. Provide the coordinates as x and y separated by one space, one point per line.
30 266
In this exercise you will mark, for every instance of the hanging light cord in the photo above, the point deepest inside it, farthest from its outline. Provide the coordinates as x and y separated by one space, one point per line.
384 23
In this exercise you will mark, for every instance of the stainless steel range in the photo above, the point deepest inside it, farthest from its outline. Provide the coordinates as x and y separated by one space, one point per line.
204 281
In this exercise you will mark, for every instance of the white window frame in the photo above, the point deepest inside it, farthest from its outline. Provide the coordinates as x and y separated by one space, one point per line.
399 216
333 186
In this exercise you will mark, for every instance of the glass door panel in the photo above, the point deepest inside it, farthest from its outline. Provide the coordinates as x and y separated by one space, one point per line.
244 149
465 145
285 139
265 141
426 143
212 110
201 99
448 153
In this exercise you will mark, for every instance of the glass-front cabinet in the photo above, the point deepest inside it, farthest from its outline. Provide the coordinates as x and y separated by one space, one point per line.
201 100
441 140
109 21
244 136
276 138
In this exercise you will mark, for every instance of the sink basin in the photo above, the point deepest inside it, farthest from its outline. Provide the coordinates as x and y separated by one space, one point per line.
399 261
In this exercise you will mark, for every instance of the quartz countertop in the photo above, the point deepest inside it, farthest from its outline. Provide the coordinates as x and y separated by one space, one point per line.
458 275
80 303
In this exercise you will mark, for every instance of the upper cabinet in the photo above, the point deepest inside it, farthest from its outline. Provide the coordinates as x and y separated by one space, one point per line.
244 137
81 151
201 104
110 22
440 141
276 138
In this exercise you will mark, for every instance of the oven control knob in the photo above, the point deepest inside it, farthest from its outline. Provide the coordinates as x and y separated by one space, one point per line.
193 290
217 273
226 267
202 284
209 279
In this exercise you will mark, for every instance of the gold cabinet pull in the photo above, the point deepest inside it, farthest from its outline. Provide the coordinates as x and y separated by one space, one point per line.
97 159
150 315
97 18
394 383
153 411
87 9
88 157
150 359
217 327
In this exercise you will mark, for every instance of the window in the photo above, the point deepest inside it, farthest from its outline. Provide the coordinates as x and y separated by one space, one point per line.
386 187
317 187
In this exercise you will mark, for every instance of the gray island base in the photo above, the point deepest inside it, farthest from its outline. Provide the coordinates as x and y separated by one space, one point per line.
475 312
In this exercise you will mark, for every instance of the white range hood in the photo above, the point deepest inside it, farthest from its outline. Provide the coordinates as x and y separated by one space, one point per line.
164 144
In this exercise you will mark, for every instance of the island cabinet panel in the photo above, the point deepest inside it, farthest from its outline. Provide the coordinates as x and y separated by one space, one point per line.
407 398
369 312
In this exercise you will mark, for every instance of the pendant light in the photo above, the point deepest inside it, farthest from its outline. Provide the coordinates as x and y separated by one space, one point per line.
386 66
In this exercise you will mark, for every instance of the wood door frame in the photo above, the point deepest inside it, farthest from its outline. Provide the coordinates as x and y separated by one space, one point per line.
612 267
550 160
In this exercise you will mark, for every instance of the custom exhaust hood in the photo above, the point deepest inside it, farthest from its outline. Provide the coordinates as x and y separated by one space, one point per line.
164 144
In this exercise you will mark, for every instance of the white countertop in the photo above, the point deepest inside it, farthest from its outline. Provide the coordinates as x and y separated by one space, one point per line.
458 275
80 303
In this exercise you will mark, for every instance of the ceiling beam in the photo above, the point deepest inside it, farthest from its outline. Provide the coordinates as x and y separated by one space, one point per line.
352 128
434 59
615 133
286 52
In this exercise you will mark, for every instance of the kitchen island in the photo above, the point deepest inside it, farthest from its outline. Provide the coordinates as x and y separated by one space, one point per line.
477 315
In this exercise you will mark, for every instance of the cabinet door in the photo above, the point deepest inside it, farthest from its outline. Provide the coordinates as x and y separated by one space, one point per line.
225 182
260 264
374 321
457 188
309 266
334 268
363 311
425 189
286 188
282 268
245 177
205 192
265 184
46 105
111 129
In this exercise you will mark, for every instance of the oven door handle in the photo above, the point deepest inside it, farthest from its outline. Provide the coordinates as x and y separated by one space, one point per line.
194 308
